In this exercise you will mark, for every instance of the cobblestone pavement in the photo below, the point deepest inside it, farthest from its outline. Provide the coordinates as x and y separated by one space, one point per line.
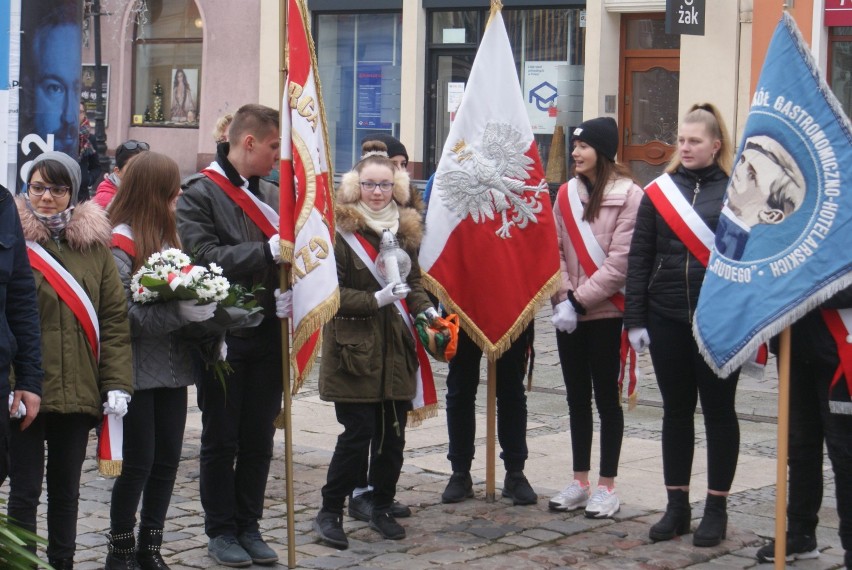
493 535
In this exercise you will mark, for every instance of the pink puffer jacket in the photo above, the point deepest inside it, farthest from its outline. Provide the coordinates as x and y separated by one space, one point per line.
613 230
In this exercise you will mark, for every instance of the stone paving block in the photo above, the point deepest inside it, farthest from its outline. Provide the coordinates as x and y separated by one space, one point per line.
542 535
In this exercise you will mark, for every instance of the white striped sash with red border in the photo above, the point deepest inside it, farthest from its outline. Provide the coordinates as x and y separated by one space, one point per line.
681 217
263 215
122 238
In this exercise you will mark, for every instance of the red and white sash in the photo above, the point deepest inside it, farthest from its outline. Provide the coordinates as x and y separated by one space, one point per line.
592 256
426 396
589 252
110 446
839 323
122 238
262 214
681 217
70 291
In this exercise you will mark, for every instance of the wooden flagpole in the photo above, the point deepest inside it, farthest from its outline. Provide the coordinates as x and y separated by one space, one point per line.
490 422
783 440
284 284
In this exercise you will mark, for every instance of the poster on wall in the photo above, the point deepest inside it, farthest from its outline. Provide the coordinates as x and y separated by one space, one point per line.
88 93
49 79
183 105
540 93
369 109
10 52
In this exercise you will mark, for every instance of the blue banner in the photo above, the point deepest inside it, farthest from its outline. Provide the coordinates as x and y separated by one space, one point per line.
783 242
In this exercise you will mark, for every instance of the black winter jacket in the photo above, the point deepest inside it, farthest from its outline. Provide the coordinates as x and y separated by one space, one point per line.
662 275
20 328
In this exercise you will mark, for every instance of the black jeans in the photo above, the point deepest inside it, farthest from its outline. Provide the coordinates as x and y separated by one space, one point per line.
811 422
462 384
591 358
153 438
382 422
683 376
4 440
237 432
67 436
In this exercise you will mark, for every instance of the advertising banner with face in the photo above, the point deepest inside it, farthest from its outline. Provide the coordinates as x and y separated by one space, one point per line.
782 243
50 79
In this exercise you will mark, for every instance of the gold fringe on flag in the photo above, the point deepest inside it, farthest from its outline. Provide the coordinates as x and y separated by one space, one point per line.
416 417
109 467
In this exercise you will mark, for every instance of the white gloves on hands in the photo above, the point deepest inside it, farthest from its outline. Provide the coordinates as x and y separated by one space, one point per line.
284 304
22 409
564 317
386 296
116 403
275 245
431 314
639 339
193 312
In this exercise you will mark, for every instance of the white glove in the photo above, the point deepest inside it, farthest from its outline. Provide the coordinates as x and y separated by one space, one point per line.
275 245
284 304
431 314
116 403
386 296
639 339
223 350
193 312
22 409
564 317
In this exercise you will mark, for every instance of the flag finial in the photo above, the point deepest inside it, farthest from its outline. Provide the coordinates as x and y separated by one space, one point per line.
496 6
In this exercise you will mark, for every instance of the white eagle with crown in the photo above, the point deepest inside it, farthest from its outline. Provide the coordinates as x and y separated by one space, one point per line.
482 183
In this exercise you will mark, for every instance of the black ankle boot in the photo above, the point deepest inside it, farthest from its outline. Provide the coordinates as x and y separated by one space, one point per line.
714 524
148 552
122 552
676 519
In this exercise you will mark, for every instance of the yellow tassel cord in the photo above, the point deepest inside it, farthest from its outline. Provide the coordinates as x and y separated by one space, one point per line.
495 350
109 467
416 417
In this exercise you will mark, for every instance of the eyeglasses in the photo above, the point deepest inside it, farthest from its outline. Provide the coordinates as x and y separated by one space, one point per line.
55 191
369 186
133 145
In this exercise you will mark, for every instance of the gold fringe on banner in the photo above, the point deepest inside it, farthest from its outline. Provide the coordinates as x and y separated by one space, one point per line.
416 417
493 351
109 467
314 320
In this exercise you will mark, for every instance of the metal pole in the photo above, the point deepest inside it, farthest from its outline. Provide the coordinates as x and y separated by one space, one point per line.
783 449
100 131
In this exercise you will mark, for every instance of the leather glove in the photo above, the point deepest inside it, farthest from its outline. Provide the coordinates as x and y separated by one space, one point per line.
193 312
22 409
116 403
386 296
284 304
639 339
564 317
275 246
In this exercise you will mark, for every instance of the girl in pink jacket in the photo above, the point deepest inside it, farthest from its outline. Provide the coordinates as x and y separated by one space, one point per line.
595 214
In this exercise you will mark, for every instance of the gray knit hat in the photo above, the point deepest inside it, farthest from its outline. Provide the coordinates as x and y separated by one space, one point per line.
68 163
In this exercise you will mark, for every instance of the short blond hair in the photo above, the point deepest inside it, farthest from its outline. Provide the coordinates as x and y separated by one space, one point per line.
220 131
710 116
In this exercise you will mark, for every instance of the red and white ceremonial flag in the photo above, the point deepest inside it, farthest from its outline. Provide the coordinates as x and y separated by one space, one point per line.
490 252
307 203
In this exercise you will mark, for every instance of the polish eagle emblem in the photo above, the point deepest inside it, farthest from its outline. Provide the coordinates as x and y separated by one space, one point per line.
480 184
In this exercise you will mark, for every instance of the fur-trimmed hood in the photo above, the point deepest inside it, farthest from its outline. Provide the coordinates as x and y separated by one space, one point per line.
349 191
88 226
409 234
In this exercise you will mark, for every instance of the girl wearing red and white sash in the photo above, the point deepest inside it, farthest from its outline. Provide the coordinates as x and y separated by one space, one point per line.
595 213
369 361
666 268
143 216
85 343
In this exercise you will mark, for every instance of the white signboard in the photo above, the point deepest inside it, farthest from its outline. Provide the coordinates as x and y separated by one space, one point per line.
540 92
455 90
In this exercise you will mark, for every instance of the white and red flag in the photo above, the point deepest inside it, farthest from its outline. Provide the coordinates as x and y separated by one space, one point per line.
307 204
490 251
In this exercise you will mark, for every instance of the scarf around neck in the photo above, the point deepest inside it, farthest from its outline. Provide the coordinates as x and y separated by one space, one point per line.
55 223
385 219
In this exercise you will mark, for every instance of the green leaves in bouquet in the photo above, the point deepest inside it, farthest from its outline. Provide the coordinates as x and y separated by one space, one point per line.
162 287
243 298
13 541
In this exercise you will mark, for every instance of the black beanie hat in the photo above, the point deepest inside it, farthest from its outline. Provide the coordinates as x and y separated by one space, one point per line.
601 134
395 148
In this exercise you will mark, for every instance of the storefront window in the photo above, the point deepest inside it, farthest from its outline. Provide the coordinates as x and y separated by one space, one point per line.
840 66
167 64
359 59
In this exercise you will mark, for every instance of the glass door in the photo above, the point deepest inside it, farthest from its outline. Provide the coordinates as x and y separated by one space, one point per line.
448 75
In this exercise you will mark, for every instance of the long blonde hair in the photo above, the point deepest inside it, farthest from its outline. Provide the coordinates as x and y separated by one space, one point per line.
708 115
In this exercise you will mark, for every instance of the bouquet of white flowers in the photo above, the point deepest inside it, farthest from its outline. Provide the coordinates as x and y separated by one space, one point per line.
171 275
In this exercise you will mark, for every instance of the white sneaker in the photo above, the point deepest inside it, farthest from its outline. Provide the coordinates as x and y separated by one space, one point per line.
603 504
572 497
